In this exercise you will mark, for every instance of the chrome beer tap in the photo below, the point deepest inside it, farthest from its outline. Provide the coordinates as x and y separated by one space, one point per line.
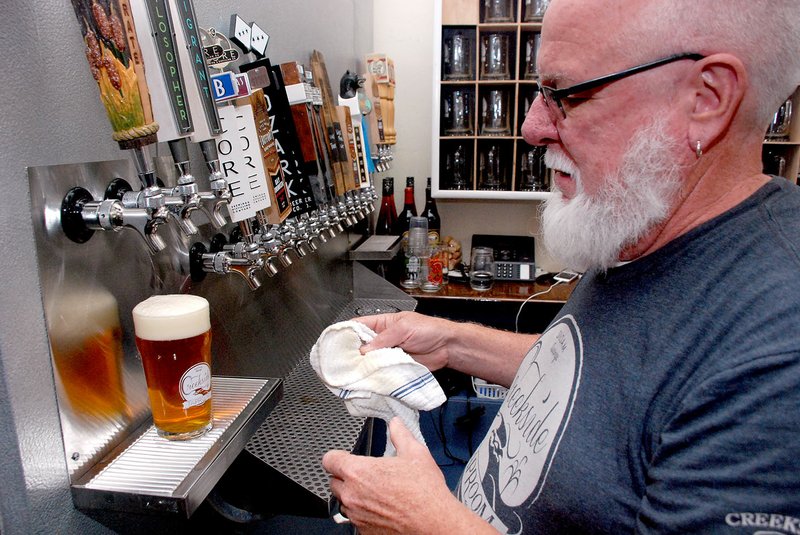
144 211
344 212
303 232
335 218
324 223
184 198
211 202
273 250
290 236
361 201
316 231
353 211
243 258
151 199
368 197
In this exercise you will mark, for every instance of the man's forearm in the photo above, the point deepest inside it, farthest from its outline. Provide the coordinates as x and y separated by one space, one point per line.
490 354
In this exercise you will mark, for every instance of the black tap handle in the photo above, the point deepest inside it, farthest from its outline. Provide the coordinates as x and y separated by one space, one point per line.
180 150
209 149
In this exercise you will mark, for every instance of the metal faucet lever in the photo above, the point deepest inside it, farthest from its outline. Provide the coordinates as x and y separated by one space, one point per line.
219 196
243 258
184 198
81 215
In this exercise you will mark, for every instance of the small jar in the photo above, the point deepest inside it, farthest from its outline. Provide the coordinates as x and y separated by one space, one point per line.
433 276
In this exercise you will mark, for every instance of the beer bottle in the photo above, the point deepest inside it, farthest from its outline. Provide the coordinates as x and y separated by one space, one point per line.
432 214
387 216
409 210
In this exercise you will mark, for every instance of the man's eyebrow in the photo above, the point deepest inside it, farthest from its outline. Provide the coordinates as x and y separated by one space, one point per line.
553 79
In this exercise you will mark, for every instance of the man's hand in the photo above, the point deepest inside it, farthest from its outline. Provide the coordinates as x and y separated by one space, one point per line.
437 343
404 494
424 338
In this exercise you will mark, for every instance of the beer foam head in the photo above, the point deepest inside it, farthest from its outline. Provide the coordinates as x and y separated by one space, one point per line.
80 313
171 317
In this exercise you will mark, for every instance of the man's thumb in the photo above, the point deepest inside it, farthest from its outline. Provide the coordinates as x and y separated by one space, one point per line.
401 437
387 338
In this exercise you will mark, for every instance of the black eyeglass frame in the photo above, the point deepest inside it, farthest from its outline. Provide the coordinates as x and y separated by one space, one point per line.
556 95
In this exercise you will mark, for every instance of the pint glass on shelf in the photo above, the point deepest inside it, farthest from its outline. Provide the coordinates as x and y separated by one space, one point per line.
173 334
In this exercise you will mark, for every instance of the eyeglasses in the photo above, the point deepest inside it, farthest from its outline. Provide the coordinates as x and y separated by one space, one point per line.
551 95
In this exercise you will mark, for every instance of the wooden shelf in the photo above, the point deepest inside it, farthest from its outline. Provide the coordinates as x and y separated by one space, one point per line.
465 17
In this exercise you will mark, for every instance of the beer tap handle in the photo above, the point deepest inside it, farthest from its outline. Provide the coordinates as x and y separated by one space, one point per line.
180 155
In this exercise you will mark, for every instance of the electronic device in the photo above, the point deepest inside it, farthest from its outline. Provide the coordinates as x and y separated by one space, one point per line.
565 276
514 256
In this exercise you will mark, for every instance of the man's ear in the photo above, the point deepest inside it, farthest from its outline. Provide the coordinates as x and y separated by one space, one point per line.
718 90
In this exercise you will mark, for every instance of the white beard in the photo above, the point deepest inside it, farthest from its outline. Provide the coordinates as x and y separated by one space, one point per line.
591 232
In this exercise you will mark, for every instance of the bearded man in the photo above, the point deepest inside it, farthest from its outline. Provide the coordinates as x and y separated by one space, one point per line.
665 395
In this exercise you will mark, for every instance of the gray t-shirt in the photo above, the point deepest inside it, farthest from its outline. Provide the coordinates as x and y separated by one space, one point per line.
665 397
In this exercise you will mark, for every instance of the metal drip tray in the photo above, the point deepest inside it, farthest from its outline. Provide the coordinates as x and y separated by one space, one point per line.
150 473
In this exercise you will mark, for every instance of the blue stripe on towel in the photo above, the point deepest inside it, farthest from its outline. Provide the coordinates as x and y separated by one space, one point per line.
409 387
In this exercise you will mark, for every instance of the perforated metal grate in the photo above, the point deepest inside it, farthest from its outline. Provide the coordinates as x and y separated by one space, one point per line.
310 420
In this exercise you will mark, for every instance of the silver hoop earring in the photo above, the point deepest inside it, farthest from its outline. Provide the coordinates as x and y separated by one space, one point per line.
699 149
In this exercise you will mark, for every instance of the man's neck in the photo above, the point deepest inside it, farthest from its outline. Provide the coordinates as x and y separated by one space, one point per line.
719 182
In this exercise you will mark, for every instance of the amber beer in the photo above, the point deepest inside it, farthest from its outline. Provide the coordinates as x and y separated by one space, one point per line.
173 334
86 339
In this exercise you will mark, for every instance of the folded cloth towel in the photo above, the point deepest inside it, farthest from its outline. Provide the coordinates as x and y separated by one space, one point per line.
382 383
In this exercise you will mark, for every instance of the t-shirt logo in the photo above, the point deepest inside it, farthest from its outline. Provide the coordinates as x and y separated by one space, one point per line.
509 468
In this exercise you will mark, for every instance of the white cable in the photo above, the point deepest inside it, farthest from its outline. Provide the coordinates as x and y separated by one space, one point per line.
537 294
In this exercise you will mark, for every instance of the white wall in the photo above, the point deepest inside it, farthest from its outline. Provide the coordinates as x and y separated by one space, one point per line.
404 30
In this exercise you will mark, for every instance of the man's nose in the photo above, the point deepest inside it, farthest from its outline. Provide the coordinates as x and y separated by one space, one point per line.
539 127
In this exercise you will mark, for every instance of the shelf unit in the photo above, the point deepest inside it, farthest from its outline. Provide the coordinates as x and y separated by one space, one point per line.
465 16
517 91
788 149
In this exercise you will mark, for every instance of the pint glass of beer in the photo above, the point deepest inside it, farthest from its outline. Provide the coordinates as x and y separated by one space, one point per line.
173 334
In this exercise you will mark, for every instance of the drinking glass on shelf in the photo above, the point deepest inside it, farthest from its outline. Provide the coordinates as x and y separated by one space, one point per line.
481 272
527 96
458 57
457 114
457 170
495 113
781 121
533 171
498 10
494 57
491 169
534 10
531 50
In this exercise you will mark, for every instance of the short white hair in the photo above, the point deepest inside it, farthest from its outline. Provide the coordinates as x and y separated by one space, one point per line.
763 34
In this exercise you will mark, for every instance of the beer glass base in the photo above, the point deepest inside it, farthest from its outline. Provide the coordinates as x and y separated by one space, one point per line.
187 435
496 132
458 132
459 76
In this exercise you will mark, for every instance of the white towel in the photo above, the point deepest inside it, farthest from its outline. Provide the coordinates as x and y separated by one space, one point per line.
382 383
